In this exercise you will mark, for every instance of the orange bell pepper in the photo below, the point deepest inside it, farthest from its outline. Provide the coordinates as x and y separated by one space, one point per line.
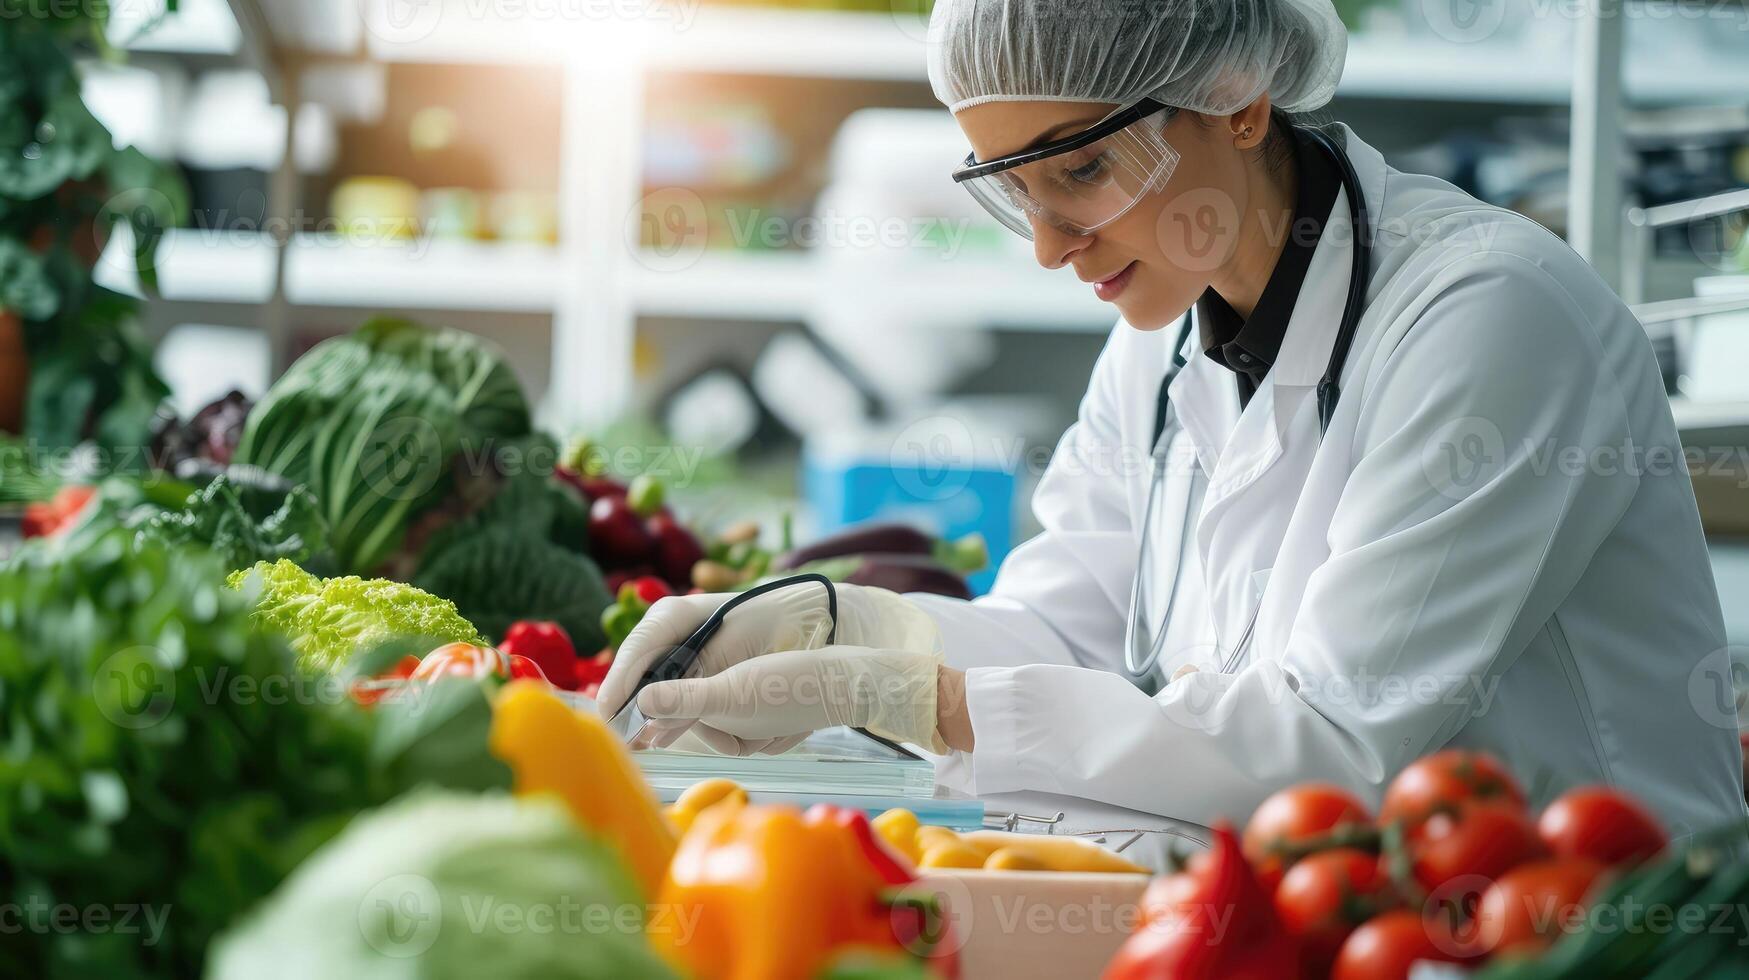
766 893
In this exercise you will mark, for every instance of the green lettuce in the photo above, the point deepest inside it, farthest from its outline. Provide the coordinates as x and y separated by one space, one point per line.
326 620
440 885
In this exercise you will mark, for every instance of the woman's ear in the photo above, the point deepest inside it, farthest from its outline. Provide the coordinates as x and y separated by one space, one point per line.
1250 125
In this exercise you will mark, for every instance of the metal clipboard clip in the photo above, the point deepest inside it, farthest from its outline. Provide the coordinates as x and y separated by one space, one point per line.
1011 822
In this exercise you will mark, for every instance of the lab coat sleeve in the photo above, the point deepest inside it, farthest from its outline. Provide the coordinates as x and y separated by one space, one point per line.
1442 566
1061 597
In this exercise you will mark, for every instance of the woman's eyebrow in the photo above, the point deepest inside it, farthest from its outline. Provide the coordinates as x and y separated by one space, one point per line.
1055 131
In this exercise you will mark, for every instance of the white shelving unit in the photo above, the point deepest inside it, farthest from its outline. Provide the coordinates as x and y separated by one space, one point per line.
596 284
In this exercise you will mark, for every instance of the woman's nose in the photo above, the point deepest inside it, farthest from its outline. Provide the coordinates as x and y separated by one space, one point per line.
1054 247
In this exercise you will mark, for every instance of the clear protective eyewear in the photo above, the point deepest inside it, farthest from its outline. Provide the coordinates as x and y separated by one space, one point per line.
1081 183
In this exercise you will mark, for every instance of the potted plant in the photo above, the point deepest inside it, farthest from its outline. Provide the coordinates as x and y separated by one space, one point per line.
73 364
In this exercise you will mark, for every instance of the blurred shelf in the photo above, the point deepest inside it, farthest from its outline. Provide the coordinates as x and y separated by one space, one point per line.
894 47
435 275
325 270
1693 416
724 285
889 46
1436 70
786 286
234 267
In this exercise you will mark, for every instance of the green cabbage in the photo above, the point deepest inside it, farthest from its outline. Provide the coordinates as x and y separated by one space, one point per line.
372 422
440 885
327 620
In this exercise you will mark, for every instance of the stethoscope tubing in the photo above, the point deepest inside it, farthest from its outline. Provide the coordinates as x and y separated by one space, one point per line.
1138 665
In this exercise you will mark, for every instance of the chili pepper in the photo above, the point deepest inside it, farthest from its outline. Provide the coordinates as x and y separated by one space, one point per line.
1214 920
548 645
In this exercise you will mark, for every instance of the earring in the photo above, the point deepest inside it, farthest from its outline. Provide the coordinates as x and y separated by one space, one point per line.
1246 134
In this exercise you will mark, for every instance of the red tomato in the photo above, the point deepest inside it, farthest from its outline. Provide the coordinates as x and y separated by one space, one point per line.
1456 855
461 660
1386 947
1602 824
1323 897
1444 781
367 694
53 516
649 589
1533 905
1293 816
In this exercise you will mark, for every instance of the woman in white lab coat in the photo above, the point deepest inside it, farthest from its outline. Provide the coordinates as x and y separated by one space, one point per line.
1450 509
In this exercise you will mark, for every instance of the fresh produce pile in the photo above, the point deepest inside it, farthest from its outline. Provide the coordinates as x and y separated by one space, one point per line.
1454 869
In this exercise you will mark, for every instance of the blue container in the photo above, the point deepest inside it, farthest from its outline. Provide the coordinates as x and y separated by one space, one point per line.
946 500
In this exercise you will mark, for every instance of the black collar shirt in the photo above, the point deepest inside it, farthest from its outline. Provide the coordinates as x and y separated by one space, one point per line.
1248 346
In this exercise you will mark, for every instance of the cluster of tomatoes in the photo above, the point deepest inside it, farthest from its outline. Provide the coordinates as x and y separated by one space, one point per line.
1455 868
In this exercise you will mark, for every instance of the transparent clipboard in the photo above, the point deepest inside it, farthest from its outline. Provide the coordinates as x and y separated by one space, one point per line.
835 761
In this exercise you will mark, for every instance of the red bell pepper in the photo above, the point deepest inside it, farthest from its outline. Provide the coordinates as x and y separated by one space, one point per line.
548 645
1212 921
917 920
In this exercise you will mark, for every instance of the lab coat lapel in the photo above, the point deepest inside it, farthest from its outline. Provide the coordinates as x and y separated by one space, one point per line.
1252 494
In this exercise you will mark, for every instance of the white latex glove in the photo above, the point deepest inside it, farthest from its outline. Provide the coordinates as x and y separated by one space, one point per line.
785 620
776 699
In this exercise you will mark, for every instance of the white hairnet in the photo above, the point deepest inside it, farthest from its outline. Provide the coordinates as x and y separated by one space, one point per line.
1213 56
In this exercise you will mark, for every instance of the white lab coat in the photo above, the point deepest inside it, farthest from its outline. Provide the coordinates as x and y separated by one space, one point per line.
1495 546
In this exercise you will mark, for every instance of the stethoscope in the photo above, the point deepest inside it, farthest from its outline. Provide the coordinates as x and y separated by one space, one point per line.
1142 647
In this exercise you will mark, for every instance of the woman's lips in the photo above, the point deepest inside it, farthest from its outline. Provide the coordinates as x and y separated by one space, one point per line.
1109 289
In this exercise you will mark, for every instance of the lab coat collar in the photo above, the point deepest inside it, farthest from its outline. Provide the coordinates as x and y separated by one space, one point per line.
1317 315
1204 395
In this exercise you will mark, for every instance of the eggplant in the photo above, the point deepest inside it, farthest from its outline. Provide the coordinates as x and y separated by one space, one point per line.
964 555
908 573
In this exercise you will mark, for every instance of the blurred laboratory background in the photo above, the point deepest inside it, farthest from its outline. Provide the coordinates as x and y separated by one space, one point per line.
728 227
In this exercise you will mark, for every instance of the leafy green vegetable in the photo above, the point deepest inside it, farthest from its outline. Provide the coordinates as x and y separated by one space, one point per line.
22 479
444 886
521 556
499 575
373 421
328 620
217 518
149 771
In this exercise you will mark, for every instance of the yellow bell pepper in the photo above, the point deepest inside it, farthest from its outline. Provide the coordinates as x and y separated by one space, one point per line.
898 827
551 748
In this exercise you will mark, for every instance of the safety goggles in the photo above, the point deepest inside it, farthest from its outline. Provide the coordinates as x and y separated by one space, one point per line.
1080 183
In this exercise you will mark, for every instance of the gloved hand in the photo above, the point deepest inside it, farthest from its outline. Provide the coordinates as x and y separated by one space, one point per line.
789 619
768 703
